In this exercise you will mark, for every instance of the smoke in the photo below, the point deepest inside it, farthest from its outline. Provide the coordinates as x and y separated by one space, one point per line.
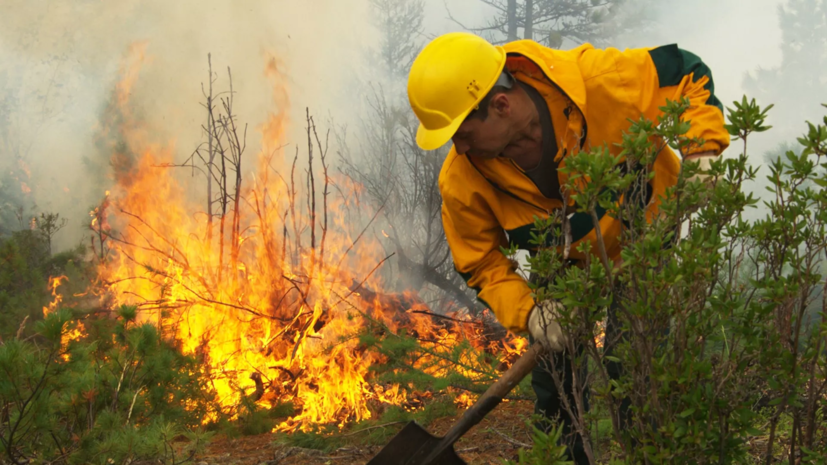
733 37
60 62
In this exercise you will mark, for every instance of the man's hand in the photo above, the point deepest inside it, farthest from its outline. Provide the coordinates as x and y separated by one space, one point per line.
543 326
703 159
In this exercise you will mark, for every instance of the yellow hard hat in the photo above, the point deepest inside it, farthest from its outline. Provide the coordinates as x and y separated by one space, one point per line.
448 79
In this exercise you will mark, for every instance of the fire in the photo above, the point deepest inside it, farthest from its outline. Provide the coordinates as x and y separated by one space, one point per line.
600 334
465 400
76 329
57 298
272 292
515 347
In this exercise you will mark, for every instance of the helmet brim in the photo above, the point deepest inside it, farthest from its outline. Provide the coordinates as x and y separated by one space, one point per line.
432 139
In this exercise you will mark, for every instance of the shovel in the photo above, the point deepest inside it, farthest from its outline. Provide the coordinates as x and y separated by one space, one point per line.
413 445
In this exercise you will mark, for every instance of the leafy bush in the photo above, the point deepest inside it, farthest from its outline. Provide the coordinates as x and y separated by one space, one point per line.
719 315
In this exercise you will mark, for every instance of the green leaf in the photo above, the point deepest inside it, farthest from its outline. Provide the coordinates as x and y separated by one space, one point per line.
686 413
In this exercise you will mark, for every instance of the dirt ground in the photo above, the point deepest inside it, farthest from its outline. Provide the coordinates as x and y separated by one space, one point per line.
499 436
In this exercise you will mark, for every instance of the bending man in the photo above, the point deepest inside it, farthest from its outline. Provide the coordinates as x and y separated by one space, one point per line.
514 113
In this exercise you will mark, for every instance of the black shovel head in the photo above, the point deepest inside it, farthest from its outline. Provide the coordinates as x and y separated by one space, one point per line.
411 446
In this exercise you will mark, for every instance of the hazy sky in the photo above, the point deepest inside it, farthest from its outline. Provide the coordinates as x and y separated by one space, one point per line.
71 51
731 36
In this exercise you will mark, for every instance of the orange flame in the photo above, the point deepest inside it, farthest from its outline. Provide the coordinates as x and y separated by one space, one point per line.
465 400
54 283
272 310
600 334
76 329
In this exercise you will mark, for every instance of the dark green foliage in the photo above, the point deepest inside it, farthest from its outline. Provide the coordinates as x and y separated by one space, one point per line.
256 419
722 315
122 395
25 268
435 367
22 284
433 410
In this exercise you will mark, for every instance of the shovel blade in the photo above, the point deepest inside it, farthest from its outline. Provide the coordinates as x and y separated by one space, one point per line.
411 445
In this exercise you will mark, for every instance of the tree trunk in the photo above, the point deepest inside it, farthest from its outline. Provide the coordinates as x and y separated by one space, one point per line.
511 22
529 20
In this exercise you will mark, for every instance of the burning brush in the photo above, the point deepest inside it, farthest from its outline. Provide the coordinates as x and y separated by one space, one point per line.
265 279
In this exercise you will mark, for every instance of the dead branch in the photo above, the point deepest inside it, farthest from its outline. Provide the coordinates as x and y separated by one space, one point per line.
22 327
381 262
350 247
509 439
372 428
311 196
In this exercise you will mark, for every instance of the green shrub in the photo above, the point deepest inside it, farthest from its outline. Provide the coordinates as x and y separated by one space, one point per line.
721 314
122 395
546 449
25 268
22 284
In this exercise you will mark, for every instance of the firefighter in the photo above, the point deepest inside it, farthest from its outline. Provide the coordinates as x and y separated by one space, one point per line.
514 114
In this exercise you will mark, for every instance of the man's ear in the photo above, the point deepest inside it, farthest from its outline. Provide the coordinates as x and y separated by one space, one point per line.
501 104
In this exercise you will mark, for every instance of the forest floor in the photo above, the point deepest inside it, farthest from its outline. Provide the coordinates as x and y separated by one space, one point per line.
499 436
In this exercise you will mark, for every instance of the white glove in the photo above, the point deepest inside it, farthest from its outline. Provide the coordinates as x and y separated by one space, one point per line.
543 326
703 160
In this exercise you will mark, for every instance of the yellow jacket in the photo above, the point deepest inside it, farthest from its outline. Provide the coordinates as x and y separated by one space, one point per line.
591 95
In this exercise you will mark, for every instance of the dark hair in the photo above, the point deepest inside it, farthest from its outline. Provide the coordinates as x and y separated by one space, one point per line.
504 84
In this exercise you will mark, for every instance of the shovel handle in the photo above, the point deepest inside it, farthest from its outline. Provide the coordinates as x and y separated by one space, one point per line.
512 377
495 393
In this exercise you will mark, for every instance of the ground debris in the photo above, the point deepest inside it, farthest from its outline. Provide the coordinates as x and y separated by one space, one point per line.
282 454
479 447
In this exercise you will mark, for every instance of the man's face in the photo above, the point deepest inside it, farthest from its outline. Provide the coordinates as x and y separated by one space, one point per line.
485 138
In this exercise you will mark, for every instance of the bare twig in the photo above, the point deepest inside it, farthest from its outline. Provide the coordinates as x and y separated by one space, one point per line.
509 439
22 327
372 428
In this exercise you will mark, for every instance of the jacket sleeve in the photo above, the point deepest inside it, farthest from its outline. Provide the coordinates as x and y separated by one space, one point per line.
475 237
652 76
